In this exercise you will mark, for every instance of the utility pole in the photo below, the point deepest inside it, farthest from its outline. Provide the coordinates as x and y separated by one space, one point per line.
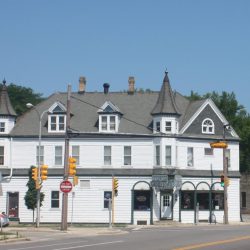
225 173
64 221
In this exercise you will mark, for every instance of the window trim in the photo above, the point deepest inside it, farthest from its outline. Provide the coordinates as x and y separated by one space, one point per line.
157 155
167 127
206 127
74 155
192 165
2 156
58 146
54 199
168 156
104 155
56 123
2 127
105 200
127 156
110 126
41 155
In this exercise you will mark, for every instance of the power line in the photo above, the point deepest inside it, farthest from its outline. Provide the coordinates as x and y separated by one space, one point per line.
122 117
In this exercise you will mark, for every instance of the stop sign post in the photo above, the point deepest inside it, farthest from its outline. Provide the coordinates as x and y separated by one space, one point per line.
66 186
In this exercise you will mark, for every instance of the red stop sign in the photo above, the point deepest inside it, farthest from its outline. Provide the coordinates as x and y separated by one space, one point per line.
66 186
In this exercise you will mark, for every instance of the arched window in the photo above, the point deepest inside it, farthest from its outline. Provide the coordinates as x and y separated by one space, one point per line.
208 126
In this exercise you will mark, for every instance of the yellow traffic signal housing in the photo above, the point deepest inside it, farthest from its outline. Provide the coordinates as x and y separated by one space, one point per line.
219 144
72 166
75 180
34 174
44 172
227 181
115 186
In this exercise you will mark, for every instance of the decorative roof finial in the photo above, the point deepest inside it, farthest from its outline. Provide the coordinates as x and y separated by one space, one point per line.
4 81
166 71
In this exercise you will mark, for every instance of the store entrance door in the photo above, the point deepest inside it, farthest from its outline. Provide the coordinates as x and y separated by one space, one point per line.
13 204
166 205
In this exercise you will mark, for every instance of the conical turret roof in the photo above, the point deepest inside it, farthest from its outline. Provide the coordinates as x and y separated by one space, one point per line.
165 103
6 107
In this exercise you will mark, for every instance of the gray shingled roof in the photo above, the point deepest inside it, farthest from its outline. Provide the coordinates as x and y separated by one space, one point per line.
136 112
5 104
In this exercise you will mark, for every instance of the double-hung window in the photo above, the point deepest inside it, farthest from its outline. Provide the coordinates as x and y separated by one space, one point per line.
190 157
127 155
57 123
58 155
107 197
168 155
227 154
76 154
168 127
157 155
158 126
107 155
1 155
2 127
108 123
54 199
41 155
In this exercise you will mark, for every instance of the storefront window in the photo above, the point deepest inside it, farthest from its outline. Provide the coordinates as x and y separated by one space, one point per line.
203 200
187 200
142 200
218 201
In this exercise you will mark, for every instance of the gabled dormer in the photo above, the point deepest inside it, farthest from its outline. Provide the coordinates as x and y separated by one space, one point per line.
57 118
7 112
165 113
109 117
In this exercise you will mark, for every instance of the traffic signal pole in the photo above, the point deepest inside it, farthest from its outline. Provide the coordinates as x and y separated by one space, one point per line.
64 219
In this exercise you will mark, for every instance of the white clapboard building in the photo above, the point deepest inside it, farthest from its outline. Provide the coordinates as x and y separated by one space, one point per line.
157 144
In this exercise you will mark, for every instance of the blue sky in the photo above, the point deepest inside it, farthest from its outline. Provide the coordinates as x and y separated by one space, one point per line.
205 45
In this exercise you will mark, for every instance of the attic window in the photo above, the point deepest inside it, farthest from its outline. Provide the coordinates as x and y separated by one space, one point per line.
57 118
207 126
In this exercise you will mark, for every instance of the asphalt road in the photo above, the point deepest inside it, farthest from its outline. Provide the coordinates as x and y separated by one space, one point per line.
149 238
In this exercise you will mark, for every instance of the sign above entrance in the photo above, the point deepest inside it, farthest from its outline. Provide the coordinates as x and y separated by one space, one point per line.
163 182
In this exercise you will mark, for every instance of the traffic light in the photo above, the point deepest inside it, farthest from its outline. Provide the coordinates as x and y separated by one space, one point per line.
72 166
75 180
34 173
222 180
44 172
115 186
227 181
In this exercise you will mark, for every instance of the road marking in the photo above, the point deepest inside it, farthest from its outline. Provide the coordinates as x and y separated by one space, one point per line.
91 245
50 245
207 244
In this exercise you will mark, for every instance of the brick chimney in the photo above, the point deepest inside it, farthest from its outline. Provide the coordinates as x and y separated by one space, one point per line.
105 88
82 85
131 85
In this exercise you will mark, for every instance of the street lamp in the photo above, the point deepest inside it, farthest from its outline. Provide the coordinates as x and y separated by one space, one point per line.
40 116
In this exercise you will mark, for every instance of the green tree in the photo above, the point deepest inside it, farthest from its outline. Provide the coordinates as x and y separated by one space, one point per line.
31 194
19 96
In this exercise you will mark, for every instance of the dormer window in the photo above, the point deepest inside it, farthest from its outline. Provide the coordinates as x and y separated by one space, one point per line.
207 126
158 126
57 118
2 127
108 122
168 127
109 116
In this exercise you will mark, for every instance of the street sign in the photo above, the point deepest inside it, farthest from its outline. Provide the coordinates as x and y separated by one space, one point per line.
66 186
